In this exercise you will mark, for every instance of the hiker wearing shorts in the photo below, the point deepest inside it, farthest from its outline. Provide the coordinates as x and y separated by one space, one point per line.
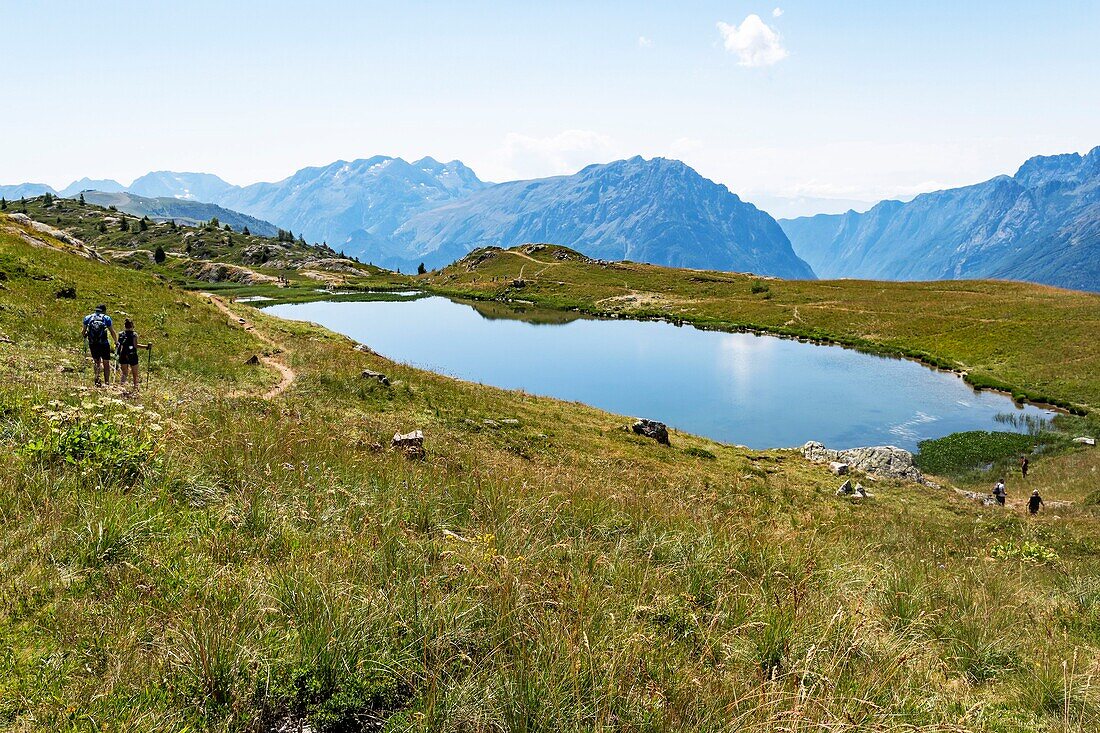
999 492
98 332
127 349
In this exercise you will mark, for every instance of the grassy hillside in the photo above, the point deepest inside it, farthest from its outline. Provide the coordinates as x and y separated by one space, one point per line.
199 558
1035 341
195 254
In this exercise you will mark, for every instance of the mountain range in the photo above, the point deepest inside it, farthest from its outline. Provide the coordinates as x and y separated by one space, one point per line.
400 214
659 211
1041 224
181 211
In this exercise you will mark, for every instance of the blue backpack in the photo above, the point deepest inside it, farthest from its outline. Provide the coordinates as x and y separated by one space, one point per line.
97 328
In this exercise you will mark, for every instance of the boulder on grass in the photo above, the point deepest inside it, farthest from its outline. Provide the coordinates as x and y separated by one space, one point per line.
411 444
382 378
252 360
652 429
1083 440
838 468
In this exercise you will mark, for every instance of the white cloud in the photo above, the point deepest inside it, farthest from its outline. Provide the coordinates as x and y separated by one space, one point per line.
524 156
685 145
644 42
777 12
754 42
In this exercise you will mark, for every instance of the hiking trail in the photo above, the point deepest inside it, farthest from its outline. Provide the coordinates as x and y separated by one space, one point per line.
287 376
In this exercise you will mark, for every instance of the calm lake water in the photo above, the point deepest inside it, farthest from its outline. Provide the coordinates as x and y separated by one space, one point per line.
759 391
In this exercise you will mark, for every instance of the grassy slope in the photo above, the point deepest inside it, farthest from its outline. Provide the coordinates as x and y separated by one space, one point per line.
189 246
555 574
1033 340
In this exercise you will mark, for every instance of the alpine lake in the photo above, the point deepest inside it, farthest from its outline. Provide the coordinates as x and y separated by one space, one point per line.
754 390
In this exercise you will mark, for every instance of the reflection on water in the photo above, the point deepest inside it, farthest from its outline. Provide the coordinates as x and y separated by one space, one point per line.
759 391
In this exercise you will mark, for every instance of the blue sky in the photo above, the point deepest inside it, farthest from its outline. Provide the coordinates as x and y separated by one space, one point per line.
846 100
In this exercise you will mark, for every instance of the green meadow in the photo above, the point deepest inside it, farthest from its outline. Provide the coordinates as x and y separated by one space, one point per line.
195 557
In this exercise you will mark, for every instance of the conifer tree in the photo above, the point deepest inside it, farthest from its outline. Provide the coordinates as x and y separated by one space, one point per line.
158 255
82 202
3 204
124 225
246 232
420 270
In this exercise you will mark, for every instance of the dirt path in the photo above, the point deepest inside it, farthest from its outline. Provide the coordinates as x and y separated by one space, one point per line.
286 374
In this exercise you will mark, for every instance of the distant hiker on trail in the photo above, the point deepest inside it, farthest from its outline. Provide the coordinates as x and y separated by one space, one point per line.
1034 502
999 492
128 353
98 332
1024 463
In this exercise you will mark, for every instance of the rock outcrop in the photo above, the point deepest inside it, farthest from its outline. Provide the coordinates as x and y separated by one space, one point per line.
652 429
880 460
411 444
216 272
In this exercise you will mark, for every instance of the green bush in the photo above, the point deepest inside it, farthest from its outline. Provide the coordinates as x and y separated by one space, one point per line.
96 445
700 453
354 700
1027 551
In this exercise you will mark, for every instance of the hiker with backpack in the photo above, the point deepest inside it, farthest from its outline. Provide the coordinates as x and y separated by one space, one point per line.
98 331
127 348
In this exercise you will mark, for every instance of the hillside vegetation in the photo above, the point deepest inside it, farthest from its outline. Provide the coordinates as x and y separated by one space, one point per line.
1034 341
208 255
199 558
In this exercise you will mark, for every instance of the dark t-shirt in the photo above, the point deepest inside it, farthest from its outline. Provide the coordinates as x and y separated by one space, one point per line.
1033 503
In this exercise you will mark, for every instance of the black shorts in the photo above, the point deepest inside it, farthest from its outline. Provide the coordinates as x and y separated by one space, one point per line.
100 350
128 359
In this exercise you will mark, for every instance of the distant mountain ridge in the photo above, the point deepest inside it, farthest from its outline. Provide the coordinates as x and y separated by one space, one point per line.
181 211
396 213
658 211
1041 224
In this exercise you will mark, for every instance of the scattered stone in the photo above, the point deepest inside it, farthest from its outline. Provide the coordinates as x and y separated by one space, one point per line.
652 429
880 460
985 499
509 421
411 444
519 283
838 468
853 492
66 292
382 378
1084 440
252 360
490 423
364 349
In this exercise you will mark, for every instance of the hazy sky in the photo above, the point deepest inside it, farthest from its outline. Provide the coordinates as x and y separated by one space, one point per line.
855 100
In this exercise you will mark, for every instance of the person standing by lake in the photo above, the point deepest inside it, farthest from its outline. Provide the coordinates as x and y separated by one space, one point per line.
1024 464
128 353
98 330
1000 493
